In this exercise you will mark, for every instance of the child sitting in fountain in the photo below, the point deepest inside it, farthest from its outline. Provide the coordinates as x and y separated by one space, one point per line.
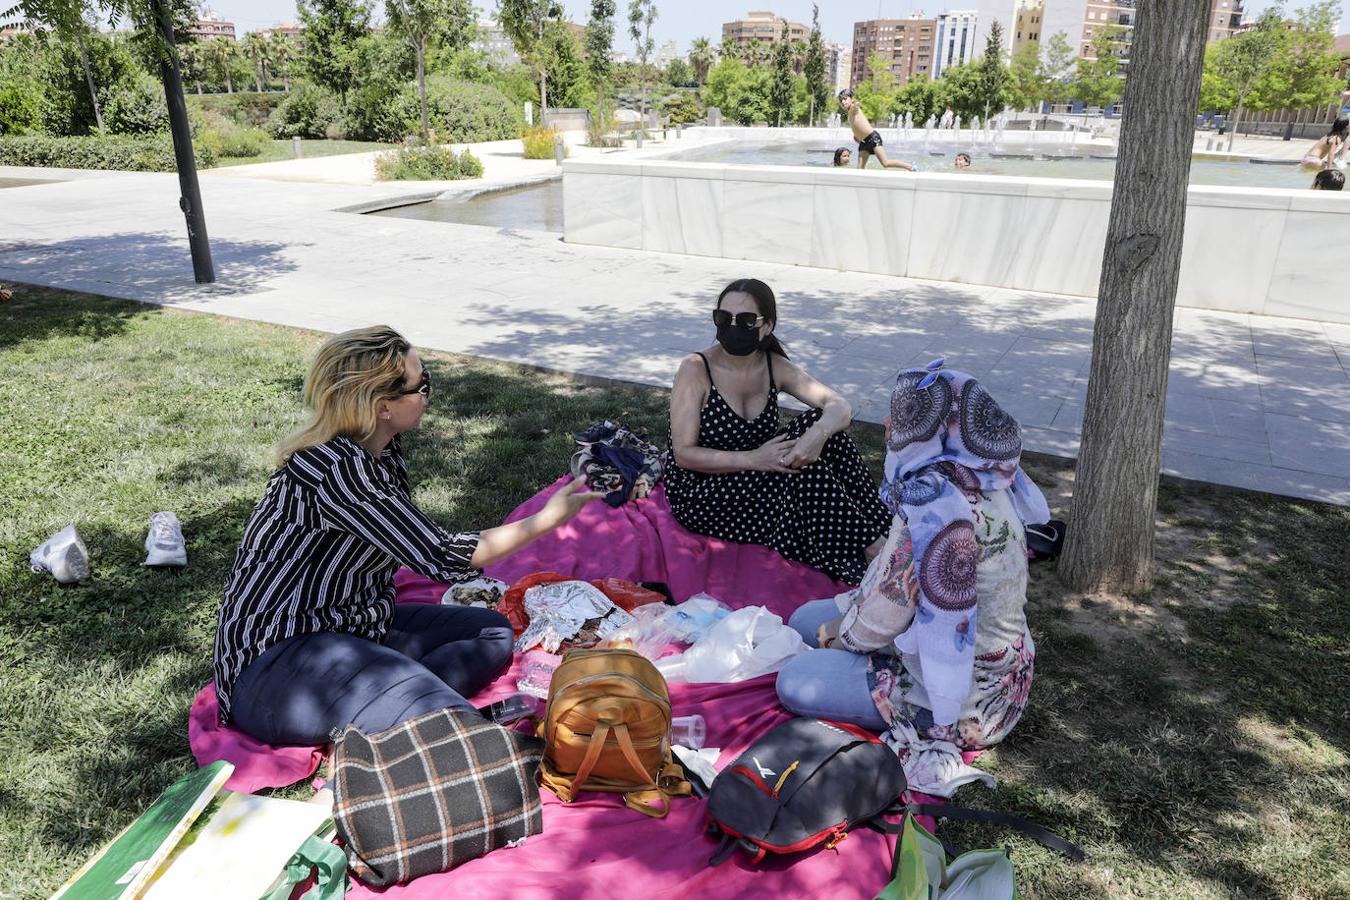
841 157
868 138
962 161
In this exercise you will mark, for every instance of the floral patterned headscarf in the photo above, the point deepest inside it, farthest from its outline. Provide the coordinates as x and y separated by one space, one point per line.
949 441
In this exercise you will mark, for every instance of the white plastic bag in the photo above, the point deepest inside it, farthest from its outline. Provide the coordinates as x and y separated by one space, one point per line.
746 644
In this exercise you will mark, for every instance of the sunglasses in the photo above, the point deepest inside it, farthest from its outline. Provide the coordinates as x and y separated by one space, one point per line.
423 386
722 318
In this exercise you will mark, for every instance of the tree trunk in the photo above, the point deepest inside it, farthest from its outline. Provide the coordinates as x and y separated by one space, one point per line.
422 87
257 78
229 82
1237 117
543 97
1110 546
89 80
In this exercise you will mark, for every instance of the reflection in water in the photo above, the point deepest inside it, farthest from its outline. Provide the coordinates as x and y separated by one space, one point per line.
536 207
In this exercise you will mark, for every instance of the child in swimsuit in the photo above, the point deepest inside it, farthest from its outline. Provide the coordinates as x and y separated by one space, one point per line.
1332 145
868 138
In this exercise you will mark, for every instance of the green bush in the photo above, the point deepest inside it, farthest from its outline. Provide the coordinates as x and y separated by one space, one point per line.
235 142
135 154
539 142
246 109
414 162
682 109
135 105
462 112
308 111
20 106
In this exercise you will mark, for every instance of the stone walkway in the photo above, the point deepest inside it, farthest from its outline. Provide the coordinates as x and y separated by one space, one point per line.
1254 402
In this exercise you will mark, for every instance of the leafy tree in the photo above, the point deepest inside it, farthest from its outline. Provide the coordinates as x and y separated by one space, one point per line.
797 55
1100 80
567 79
729 49
780 94
70 20
332 31
1026 78
678 73
526 23
995 81
420 23
818 89
755 53
740 92
1056 72
600 42
963 90
920 98
222 54
877 94
701 57
1305 72
1244 60
641 15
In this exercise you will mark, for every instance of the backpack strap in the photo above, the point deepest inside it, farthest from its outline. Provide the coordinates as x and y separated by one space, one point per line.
592 756
724 851
1042 836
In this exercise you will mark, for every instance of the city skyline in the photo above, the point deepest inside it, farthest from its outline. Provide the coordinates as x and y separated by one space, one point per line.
686 21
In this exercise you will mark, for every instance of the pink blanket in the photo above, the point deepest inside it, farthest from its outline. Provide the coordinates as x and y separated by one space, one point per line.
596 846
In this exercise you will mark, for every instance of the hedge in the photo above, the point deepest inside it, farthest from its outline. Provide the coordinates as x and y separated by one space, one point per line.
153 153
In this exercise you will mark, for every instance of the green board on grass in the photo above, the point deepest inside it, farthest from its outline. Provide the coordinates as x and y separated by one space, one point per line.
121 869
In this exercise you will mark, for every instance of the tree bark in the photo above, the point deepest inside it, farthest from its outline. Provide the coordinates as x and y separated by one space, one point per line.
1237 117
89 80
1110 546
422 87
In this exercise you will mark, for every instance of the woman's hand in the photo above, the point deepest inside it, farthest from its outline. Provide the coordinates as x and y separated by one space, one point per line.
563 506
808 448
771 456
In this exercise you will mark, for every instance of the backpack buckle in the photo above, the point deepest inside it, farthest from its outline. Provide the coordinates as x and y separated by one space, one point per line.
836 840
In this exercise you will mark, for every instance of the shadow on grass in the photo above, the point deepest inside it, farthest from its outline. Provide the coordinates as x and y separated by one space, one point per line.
38 313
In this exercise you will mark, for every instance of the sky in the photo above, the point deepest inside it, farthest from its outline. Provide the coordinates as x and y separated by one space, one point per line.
685 20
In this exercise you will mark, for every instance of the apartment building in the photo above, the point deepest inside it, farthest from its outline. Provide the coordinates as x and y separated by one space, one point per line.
909 46
764 27
956 42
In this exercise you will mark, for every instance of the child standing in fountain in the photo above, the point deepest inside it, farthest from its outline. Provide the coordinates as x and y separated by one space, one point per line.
868 138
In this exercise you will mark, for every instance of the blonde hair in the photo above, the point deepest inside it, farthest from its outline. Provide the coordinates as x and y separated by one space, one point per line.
350 373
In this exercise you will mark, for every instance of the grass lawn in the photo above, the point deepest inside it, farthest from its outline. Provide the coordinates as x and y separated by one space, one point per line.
1195 741
279 150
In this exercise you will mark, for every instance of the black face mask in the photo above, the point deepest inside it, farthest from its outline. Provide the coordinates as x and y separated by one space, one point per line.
738 341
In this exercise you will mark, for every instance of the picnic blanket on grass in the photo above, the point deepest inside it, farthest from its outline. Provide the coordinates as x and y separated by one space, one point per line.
596 846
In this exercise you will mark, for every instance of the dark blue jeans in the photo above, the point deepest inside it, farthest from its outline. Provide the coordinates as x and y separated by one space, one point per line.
303 688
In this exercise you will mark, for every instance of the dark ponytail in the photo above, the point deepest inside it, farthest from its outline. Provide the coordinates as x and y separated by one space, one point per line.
764 302
1340 127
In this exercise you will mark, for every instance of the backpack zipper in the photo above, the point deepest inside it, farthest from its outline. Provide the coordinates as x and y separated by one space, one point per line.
662 701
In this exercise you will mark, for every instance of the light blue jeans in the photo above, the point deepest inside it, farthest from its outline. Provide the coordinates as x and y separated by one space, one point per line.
826 684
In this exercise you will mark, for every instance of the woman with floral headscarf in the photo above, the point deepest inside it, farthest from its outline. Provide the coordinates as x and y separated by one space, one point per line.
934 645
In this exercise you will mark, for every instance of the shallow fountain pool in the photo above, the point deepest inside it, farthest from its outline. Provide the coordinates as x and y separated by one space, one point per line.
1066 162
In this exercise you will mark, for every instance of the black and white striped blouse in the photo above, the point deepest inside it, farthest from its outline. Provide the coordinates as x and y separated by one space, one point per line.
320 551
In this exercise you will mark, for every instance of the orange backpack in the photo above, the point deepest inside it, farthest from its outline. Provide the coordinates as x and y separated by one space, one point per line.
607 728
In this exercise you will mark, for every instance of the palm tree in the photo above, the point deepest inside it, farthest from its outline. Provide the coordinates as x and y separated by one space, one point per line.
282 51
730 49
701 57
222 52
255 48
756 53
190 62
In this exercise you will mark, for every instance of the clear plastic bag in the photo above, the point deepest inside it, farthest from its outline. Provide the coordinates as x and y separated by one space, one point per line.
536 673
650 633
745 644
692 619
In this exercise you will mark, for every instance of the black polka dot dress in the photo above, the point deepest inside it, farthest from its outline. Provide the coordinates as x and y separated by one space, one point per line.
825 516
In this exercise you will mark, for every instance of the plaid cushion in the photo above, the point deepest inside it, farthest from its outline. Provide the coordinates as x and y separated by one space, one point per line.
433 793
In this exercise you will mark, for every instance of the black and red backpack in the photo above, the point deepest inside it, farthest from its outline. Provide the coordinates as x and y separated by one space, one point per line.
808 782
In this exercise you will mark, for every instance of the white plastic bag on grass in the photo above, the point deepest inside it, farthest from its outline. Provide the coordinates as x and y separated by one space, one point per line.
746 644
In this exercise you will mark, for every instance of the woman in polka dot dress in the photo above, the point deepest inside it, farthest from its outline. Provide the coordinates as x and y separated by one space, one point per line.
736 474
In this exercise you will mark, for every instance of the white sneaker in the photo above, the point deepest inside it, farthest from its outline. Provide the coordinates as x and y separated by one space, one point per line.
63 556
164 545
